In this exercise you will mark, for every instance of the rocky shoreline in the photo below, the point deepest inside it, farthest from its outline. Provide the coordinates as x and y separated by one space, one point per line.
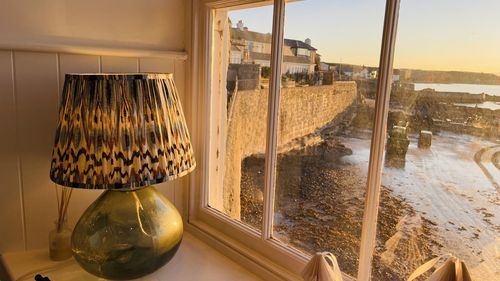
319 207
320 196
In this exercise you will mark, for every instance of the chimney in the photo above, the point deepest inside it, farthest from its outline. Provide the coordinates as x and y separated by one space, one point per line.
308 41
240 25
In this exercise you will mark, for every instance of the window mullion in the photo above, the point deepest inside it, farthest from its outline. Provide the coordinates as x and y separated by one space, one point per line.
368 233
272 116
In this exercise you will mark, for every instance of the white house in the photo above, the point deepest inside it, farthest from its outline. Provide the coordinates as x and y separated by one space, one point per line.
254 47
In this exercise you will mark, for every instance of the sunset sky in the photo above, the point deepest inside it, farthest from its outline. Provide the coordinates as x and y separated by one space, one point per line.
432 34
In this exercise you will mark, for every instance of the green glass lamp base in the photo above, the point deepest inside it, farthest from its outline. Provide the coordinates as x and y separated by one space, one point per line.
127 234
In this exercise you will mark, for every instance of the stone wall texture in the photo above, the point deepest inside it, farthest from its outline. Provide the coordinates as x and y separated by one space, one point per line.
247 77
303 110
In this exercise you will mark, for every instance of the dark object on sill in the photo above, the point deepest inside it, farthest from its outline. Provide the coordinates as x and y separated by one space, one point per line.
39 277
3 271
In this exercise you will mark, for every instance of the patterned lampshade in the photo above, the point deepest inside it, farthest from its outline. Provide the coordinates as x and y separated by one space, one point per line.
120 131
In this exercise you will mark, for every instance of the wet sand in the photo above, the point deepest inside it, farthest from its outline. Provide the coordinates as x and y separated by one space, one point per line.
445 185
439 202
320 208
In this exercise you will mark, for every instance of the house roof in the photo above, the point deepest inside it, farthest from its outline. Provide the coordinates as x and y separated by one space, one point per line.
298 44
267 57
266 38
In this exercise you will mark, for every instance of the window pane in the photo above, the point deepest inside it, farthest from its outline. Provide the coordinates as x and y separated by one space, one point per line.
330 51
440 186
239 110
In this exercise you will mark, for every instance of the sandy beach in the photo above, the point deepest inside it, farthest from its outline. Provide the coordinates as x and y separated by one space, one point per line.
439 202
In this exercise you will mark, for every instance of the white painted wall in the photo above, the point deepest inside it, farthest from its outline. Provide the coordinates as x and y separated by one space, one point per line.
144 24
30 83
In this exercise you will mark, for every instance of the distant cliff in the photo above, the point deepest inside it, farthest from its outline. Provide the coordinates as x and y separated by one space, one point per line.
432 76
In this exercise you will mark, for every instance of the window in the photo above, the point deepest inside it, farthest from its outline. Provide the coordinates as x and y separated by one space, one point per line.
295 154
322 138
440 190
303 52
239 112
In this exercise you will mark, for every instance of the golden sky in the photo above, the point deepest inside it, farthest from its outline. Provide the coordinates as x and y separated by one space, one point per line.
432 34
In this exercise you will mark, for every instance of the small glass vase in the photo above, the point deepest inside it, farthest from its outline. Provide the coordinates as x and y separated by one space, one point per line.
60 243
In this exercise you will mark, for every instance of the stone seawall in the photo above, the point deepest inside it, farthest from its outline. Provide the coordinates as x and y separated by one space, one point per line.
303 110
448 97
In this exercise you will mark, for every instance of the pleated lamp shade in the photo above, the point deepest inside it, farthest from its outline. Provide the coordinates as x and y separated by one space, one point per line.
120 131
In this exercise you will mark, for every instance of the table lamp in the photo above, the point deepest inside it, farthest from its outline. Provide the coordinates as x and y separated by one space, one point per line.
122 133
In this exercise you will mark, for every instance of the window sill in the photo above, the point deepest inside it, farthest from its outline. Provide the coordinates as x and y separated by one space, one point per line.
246 255
195 260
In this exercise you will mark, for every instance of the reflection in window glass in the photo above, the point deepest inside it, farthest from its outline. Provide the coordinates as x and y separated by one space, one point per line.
239 110
331 51
441 177
440 186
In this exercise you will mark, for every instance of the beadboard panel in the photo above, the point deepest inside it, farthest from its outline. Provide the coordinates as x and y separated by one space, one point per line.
30 85
71 63
164 65
36 85
11 218
119 64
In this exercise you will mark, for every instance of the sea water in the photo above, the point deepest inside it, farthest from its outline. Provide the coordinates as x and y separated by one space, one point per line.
493 90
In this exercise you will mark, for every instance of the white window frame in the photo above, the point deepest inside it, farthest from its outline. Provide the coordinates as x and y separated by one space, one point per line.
266 256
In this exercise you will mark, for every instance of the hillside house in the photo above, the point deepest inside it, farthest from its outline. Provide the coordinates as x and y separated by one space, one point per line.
254 47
